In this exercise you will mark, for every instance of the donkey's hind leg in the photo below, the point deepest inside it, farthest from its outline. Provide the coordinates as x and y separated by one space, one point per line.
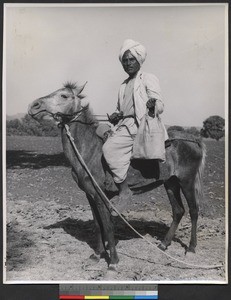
172 187
189 191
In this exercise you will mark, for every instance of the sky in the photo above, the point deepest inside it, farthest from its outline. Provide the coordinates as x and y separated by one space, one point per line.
46 46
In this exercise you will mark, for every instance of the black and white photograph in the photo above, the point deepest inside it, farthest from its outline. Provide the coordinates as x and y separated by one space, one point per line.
115 143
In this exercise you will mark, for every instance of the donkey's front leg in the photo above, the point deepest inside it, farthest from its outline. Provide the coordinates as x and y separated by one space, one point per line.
108 231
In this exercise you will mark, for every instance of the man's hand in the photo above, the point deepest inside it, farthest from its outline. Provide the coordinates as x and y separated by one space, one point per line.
151 103
115 117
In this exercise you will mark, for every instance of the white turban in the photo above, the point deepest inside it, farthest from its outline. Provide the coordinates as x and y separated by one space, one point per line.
137 50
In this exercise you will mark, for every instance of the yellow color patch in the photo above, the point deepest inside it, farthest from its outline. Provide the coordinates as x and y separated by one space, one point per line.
96 297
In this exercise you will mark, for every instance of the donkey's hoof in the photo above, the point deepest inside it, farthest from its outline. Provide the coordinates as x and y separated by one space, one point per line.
162 247
113 267
190 250
92 261
111 272
95 257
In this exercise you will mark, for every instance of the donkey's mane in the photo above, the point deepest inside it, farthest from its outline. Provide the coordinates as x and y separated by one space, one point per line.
89 116
70 85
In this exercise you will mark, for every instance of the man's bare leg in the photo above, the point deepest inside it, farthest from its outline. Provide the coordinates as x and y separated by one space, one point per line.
125 197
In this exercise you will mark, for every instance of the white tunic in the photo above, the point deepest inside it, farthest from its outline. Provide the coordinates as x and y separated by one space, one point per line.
133 95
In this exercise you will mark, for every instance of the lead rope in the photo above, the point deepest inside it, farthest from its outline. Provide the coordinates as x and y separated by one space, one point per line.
102 194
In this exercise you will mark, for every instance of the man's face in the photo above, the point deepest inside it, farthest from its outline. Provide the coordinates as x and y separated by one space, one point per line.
130 64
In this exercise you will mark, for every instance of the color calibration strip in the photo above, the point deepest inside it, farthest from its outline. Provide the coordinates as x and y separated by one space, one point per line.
108 291
111 297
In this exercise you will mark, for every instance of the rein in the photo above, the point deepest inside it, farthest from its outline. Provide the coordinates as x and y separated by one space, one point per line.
64 119
106 200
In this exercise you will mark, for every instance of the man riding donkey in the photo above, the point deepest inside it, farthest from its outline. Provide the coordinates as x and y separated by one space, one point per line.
139 98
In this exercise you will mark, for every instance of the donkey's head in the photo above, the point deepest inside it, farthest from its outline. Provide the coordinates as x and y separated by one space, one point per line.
65 101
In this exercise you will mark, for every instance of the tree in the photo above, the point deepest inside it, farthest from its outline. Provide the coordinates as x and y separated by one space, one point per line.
213 127
176 128
193 130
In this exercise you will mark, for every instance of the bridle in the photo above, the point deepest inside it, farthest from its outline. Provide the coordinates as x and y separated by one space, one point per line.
63 119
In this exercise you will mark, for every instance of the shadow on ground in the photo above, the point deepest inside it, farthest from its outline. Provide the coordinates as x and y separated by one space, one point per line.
16 257
26 159
84 230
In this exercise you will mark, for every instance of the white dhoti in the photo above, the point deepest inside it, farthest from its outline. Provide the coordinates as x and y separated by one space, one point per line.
118 148
117 152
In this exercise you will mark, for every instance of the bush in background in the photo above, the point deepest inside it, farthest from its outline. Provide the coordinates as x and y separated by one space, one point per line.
29 126
176 128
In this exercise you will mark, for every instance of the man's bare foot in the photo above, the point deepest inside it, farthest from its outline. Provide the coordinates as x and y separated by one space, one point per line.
125 198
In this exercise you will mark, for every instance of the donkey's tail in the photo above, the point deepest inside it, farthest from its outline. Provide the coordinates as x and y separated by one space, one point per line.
199 175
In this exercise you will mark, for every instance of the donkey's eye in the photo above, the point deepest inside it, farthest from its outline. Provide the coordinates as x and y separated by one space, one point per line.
64 96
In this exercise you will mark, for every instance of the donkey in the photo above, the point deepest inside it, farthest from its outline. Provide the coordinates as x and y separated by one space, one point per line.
185 158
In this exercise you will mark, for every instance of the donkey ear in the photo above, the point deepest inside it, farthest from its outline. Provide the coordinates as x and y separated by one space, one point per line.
80 89
84 102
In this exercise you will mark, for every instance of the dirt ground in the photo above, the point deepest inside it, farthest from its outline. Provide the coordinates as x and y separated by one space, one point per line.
50 232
